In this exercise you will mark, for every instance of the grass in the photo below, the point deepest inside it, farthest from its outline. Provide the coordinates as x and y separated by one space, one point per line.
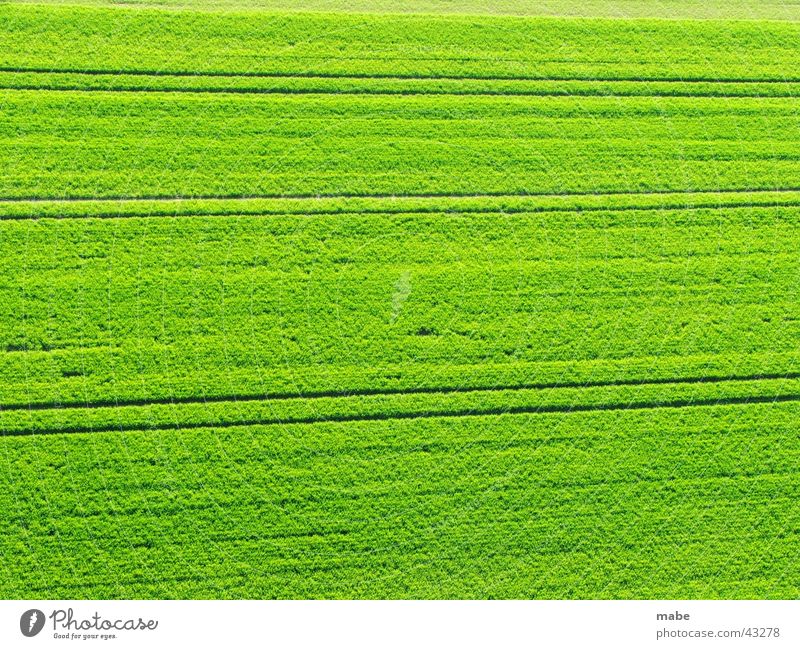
386 145
664 9
403 306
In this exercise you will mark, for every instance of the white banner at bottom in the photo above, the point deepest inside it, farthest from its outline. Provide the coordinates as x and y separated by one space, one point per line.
388 624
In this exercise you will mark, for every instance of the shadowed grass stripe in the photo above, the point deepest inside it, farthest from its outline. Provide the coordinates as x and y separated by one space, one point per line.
367 392
403 211
421 195
411 92
407 77
443 414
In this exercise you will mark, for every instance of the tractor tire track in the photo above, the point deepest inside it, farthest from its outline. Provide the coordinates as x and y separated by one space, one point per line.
443 414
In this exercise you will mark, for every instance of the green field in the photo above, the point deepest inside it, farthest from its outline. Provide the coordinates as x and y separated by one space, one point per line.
670 9
318 301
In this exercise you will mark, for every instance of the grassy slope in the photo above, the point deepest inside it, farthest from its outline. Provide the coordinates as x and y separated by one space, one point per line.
520 395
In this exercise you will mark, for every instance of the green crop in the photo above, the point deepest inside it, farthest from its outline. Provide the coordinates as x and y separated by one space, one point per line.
398 306
716 9
70 144
510 506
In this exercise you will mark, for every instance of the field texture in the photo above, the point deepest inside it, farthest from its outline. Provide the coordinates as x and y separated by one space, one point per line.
672 9
338 305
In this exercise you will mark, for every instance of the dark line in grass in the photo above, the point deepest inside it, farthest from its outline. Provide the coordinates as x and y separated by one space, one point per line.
400 77
368 392
421 210
384 196
401 92
444 414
